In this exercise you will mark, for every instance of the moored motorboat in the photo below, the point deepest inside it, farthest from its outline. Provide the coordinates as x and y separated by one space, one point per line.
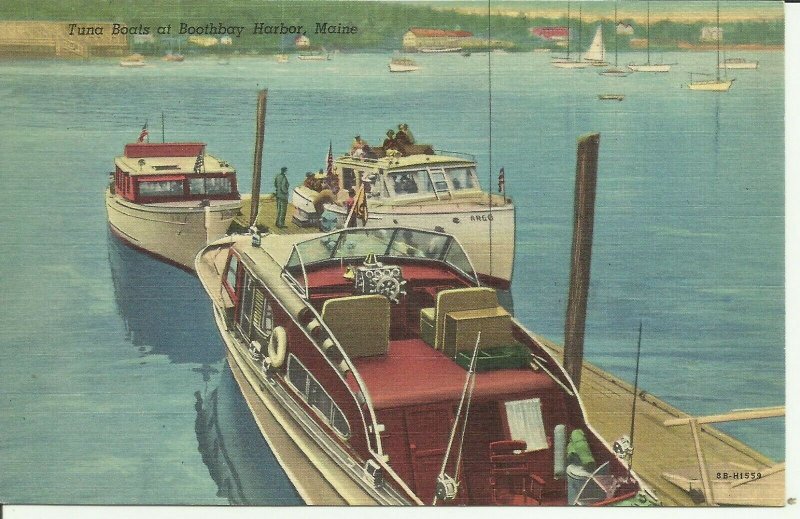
388 375
134 60
171 199
403 65
738 64
420 189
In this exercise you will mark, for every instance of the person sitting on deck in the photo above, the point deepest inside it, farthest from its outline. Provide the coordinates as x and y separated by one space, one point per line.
390 142
310 182
404 135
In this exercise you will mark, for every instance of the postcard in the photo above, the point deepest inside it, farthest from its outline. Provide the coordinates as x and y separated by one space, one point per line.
441 253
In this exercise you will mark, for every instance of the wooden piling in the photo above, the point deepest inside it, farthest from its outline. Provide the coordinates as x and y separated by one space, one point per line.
583 228
261 115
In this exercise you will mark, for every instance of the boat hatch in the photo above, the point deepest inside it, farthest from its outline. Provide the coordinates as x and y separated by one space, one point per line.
357 243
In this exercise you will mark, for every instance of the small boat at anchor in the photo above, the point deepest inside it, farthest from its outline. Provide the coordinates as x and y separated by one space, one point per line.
387 374
134 60
611 97
566 61
596 53
649 67
716 84
738 64
171 199
403 65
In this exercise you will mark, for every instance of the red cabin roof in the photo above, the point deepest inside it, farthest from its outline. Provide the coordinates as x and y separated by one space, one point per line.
164 149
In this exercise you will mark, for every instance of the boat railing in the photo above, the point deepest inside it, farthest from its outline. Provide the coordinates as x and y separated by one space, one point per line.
469 156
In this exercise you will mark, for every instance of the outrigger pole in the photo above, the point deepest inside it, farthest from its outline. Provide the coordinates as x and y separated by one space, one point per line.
261 115
635 395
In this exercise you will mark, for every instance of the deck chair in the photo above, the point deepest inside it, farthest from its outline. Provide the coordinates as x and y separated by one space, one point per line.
431 320
360 323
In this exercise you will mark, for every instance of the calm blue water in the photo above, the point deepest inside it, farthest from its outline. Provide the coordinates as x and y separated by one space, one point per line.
113 385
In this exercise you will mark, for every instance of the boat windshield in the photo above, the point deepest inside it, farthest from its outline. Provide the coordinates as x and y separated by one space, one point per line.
384 243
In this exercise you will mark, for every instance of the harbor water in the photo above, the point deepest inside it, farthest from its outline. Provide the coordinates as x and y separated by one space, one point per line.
113 383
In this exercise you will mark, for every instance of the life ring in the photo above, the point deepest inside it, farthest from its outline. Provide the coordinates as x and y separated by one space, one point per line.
325 196
277 347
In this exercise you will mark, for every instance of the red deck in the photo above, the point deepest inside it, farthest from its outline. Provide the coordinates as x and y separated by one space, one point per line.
413 373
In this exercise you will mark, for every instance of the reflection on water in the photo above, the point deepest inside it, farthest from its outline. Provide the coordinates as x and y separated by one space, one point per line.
166 313
164 309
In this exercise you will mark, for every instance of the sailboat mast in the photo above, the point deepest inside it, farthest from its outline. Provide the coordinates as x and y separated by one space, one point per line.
580 28
719 39
648 32
616 36
568 35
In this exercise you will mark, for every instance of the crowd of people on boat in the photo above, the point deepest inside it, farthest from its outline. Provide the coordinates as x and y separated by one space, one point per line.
396 144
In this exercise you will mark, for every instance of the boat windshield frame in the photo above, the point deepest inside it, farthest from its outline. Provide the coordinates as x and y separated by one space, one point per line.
398 243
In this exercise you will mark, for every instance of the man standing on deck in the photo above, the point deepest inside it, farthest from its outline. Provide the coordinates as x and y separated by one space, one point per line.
281 197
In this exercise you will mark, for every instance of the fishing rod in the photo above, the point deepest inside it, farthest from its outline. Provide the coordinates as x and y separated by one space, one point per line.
635 397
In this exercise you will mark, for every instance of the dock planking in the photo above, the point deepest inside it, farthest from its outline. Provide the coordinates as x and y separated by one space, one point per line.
658 448
608 401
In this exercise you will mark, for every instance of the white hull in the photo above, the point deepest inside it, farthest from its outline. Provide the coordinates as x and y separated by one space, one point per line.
649 68
394 67
711 85
748 65
471 229
174 232
438 51
570 64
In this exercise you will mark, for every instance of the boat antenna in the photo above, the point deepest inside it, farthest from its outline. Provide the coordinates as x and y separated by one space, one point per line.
163 137
635 396
446 485
491 218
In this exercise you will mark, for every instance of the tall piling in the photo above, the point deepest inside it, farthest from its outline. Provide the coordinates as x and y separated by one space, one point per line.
261 115
583 229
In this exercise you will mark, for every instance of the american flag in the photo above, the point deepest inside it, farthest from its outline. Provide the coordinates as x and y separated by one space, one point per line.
144 133
329 159
501 181
199 163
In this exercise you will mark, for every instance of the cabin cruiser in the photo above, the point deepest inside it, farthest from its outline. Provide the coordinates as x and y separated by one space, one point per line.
420 188
171 199
381 371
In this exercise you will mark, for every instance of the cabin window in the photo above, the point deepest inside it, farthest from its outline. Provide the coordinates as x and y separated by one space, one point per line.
348 178
313 393
525 423
462 178
210 186
246 312
262 313
410 182
419 244
231 274
161 188
439 181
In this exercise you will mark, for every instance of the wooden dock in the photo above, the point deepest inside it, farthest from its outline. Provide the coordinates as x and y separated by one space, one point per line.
658 448
608 400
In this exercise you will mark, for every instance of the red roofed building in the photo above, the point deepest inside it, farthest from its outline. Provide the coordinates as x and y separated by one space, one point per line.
417 38
550 33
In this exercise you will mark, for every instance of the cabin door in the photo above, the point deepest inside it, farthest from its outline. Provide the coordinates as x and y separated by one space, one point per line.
428 433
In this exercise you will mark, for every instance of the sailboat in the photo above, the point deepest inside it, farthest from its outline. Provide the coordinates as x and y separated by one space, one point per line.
712 85
615 71
596 54
567 62
649 67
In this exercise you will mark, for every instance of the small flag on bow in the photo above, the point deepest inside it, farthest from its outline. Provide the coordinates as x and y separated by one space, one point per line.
501 181
199 163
